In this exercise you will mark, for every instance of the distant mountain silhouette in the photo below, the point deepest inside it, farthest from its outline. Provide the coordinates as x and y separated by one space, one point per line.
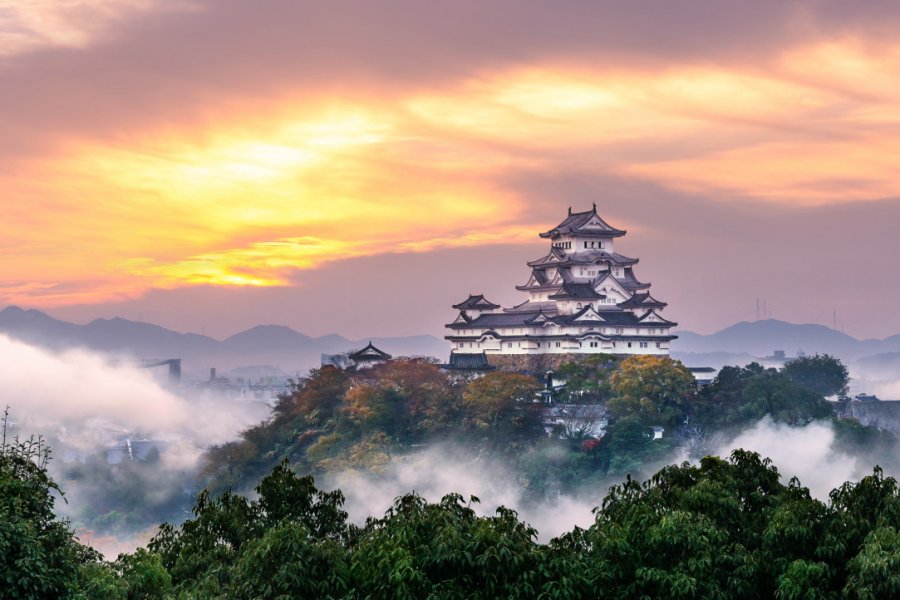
275 345
291 351
763 338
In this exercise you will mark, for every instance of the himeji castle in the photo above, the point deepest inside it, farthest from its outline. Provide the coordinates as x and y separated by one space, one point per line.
583 297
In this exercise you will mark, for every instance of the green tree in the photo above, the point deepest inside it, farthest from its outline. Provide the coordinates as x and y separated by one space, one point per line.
39 555
875 571
821 374
444 550
723 529
290 515
587 380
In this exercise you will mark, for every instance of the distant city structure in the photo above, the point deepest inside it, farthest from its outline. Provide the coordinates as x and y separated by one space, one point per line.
583 298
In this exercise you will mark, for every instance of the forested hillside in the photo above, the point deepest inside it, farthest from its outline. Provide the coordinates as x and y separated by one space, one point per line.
336 420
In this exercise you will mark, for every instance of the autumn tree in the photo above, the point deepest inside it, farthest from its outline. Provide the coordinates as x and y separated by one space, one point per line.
654 389
318 396
503 403
405 399
432 402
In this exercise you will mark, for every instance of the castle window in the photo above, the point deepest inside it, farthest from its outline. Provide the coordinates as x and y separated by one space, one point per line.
629 344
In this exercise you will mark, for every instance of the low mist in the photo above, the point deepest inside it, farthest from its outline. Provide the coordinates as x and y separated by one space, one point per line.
83 404
807 453
83 399
444 469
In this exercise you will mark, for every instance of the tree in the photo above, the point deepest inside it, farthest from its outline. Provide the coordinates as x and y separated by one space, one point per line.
654 389
318 396
875 571
430 400
290 515
629 445
743 395
39 555
587 380
772 393
821 374
444 550
503 403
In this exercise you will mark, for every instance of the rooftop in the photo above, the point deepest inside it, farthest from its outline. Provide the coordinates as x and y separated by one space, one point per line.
476 302
584 223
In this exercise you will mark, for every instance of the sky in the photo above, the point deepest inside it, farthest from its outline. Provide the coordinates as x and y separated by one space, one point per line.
358 167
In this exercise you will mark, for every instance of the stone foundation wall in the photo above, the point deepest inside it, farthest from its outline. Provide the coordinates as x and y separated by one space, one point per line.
534 364
884 414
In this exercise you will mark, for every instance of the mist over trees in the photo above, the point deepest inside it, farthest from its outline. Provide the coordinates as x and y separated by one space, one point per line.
725 528
730 528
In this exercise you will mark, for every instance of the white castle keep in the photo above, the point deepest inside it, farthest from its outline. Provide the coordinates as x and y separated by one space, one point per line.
583 297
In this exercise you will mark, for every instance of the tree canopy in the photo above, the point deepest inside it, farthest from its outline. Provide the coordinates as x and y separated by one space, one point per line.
723 528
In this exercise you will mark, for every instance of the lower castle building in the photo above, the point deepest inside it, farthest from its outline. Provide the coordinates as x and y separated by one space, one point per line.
583 298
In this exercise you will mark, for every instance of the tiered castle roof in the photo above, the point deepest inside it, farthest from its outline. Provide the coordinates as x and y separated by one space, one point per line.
582 289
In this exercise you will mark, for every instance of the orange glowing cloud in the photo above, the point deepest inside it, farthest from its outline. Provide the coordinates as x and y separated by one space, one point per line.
244 205
294 181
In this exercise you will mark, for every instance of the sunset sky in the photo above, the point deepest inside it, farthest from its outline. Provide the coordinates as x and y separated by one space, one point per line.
358 167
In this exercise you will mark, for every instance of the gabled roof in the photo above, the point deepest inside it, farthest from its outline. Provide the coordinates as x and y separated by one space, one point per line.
538 318
474 302
644 300
630 282
370 352
491 320
587 222
610 283
592 257
554 256
462 318
588 313
529 306
658 320
576 291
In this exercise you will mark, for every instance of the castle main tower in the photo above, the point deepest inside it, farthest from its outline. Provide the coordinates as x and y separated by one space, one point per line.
583 297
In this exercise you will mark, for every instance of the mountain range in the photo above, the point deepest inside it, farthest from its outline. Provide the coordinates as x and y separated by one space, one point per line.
291 351
271 345
763 338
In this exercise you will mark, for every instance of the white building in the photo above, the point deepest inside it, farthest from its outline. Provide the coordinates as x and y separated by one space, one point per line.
583 297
